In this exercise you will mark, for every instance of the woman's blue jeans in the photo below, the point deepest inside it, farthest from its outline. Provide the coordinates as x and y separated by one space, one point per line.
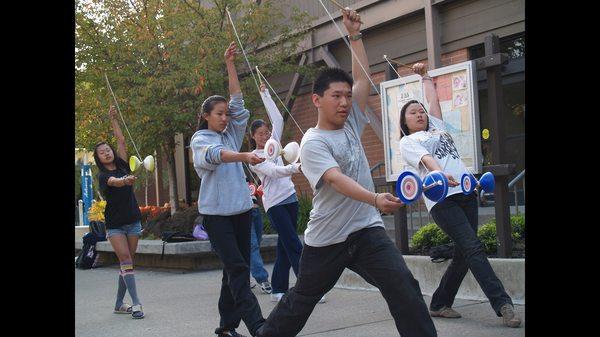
257 268
284 219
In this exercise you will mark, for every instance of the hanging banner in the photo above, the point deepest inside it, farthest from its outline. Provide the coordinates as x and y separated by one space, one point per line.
87 192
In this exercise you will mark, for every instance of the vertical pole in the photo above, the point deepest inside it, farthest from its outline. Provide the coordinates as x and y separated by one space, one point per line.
516 199
432 33
524 199
156 179
400 220
186 170
401 229
498 136
80 209
146 190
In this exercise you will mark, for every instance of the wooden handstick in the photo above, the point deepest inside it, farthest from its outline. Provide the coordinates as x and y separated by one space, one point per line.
338 4
343 8
399 63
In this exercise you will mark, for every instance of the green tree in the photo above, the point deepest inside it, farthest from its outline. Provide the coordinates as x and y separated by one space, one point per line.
163 58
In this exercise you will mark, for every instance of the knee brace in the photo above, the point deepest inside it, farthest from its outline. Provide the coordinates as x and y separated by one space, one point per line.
126 268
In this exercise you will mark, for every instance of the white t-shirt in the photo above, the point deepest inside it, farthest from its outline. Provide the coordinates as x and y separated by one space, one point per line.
438 143
335 216
276 178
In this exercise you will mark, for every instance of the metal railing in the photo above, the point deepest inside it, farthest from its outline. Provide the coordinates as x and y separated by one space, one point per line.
484 197
377 166
513 184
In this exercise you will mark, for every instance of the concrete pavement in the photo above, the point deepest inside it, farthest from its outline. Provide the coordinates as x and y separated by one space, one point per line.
184 304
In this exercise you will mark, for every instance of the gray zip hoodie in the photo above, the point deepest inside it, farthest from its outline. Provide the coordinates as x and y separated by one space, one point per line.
223 189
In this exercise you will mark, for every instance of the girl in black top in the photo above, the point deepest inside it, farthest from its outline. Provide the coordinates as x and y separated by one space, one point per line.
122 214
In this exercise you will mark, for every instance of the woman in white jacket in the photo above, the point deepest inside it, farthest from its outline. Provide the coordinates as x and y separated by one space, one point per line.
279 197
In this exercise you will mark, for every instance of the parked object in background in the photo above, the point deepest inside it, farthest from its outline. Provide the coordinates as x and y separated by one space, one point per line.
98 228
88 255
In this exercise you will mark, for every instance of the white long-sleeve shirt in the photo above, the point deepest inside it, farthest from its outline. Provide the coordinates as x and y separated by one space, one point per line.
276 178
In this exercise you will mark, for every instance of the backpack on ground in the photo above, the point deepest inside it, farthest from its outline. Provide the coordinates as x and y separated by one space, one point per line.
199 231
441 253
98 228
88 255
175 237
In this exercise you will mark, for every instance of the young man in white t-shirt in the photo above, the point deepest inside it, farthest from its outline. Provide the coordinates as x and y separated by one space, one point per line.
345 228
427 146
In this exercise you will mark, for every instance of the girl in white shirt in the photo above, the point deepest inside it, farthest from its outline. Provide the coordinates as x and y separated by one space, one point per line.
279 197
427 146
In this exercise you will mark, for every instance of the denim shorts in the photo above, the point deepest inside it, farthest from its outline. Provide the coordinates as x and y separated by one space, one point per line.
129 230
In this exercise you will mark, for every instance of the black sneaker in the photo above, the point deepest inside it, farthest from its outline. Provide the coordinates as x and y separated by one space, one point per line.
230 334
266 287
137 312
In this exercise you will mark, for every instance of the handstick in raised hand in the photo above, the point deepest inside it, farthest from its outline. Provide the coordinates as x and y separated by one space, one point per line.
343 8
398 63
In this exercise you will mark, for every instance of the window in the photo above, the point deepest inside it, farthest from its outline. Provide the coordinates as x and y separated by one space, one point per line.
513 45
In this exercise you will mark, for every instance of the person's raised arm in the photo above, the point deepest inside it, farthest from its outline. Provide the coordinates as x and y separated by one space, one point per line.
273 112
238 113
361 87
121 145
234 83
430 92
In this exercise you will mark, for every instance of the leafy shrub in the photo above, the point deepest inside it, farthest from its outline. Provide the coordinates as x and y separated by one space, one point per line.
487 236
487 233
431 235
428 236
518 226
304 207
267 228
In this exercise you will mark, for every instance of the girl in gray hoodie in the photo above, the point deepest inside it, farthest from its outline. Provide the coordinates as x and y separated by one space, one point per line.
224 200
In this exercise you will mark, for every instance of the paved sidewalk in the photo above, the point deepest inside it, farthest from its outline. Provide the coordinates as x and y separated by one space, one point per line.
179 304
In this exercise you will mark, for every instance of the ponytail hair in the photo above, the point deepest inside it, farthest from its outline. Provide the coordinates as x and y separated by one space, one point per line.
202 123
